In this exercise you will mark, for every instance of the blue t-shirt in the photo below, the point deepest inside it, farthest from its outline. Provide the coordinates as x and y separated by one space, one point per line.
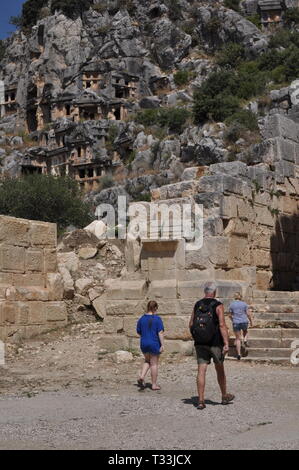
238 308
149 327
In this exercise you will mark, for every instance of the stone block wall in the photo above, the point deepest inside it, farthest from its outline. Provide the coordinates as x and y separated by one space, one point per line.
31 290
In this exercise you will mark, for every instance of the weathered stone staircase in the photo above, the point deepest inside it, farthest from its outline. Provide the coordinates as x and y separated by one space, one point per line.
276 321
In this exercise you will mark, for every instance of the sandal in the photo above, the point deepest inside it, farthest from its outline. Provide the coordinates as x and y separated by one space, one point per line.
201 405
227 399
156 389
141 383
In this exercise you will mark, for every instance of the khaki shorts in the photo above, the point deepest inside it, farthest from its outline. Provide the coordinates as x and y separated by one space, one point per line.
204 354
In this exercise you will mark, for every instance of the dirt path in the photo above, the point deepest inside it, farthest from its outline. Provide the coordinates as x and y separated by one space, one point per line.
57 394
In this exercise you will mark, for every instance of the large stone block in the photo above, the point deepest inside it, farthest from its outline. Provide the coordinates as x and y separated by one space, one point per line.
30 294
100 306
29 280
263 279
3 293
246 274
279 125
3 334
284 169
125 307
190 289
12 258
185 348
55 286
43 234
195 274
70 261
55 311
245 210
125 290
169 307
50 261
218 249
166 289
198 260
239 252
235 169
264 216
14 231
9 312
34 260
261 258
6 279
156 275
68 282
133 255
113 325
130 327
22 313
2 317
177 328
238 227
214 253
37 314
114 343
84 284
187 305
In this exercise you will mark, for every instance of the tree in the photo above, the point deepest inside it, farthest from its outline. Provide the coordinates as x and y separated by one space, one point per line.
71 8
16 21
46 198
30 12
2 49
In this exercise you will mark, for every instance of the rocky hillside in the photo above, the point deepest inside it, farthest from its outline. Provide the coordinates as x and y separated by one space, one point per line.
124 95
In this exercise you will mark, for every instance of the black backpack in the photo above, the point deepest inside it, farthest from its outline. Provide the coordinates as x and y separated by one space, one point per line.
204 326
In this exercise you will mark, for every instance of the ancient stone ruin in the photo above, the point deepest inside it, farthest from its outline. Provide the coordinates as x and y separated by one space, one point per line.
250 246
31 289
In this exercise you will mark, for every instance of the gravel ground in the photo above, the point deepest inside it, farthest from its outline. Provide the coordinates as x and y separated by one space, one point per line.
105 410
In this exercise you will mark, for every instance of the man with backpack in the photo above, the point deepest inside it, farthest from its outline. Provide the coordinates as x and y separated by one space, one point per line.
211 339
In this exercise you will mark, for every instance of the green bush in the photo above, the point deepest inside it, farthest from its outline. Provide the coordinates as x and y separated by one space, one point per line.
175 10
245 119
255 19
251 80
172 118
216 98
232 4
231 55
278 75
106 182
219 96
284 38
46 198
242 124
181 77
291 16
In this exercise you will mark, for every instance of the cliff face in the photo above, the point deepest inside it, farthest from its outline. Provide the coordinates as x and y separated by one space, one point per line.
75 86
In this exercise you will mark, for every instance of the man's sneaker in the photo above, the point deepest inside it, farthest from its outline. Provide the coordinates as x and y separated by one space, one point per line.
227 399
239 358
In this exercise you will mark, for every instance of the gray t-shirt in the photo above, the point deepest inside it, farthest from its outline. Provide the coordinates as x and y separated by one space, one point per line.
238 308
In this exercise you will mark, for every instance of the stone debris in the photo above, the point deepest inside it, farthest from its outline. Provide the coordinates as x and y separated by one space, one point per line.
120 357
87 252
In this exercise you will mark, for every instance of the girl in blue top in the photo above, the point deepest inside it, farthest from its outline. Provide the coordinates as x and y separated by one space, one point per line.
240 316
150 328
